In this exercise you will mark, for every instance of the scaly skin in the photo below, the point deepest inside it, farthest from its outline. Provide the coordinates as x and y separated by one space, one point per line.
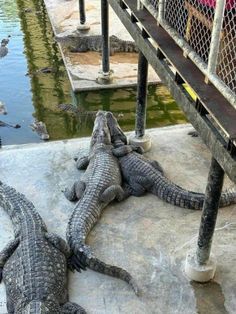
98 187
33 266
94 43
142 175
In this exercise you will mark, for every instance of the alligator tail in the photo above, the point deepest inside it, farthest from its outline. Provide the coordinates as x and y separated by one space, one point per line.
17 206
86 257
228 198
176 195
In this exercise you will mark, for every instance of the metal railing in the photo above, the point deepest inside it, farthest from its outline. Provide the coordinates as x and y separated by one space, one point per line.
206 32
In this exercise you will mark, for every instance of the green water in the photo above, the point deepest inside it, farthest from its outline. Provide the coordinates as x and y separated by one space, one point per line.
32 47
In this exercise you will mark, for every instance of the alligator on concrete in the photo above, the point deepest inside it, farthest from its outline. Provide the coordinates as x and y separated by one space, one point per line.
34 265
40 128
100 185
94 43
141 174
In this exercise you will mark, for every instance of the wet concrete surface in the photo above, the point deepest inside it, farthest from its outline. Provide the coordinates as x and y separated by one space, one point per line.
146 236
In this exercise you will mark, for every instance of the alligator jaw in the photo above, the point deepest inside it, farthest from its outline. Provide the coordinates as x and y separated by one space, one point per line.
101 134
118 137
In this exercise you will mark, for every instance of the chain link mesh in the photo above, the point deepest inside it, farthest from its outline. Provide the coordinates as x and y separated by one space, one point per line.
193 21
226 68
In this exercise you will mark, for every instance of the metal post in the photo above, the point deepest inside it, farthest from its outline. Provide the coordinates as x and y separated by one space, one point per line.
140 139
82 12
215 38
199 266
161 5
210 210
142 96
83 25
139 5
105 75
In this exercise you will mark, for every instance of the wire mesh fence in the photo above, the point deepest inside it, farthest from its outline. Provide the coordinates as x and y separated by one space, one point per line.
226 67
193 21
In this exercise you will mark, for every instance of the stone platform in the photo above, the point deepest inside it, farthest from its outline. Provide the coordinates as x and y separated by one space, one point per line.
83 68
144 235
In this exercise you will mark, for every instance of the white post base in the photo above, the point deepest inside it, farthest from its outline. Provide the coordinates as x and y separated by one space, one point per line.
83 27
198 272
105 78
144 142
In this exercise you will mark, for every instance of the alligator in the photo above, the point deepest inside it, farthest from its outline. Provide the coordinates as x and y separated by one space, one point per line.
40 128
34 266
44 70
141 174
15 126
100 184
94 43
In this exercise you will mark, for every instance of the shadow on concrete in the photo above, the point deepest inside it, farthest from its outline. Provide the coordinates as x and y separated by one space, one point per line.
209 298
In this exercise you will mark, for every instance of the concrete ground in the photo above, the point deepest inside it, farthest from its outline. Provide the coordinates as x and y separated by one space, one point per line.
83 68
146 236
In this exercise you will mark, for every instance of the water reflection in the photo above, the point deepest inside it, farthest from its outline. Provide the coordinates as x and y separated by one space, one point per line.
31 48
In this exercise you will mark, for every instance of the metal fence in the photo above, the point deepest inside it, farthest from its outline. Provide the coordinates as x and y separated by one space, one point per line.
206 31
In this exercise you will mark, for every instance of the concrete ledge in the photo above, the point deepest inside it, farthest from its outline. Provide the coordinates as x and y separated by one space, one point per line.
144 235
83 68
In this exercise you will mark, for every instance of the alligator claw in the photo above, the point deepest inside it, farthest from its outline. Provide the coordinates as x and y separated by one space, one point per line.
75 264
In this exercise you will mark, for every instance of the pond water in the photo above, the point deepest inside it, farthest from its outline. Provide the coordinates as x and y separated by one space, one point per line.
38 95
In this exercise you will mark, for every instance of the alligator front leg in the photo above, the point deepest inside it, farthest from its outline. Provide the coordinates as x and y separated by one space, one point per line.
122 151
82 162
6 253
72 308
76 191
112 192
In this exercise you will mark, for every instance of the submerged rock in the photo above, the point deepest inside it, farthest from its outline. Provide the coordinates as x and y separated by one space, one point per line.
3 50
3 109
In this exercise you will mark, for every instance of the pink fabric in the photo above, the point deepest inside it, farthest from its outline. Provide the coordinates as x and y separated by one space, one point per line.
230 4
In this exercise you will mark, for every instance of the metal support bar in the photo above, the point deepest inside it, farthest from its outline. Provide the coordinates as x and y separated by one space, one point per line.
211 138
105 36
142 96
82 12
161 5
210 210
215 38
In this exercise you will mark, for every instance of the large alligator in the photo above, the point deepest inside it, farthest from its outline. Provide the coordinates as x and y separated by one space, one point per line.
100 184
34 265
141 174
94 43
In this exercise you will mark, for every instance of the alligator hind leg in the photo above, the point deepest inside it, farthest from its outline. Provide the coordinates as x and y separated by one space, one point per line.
72 308
112 192
62 246
138 185
76 191
156 165
58 243
6 253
